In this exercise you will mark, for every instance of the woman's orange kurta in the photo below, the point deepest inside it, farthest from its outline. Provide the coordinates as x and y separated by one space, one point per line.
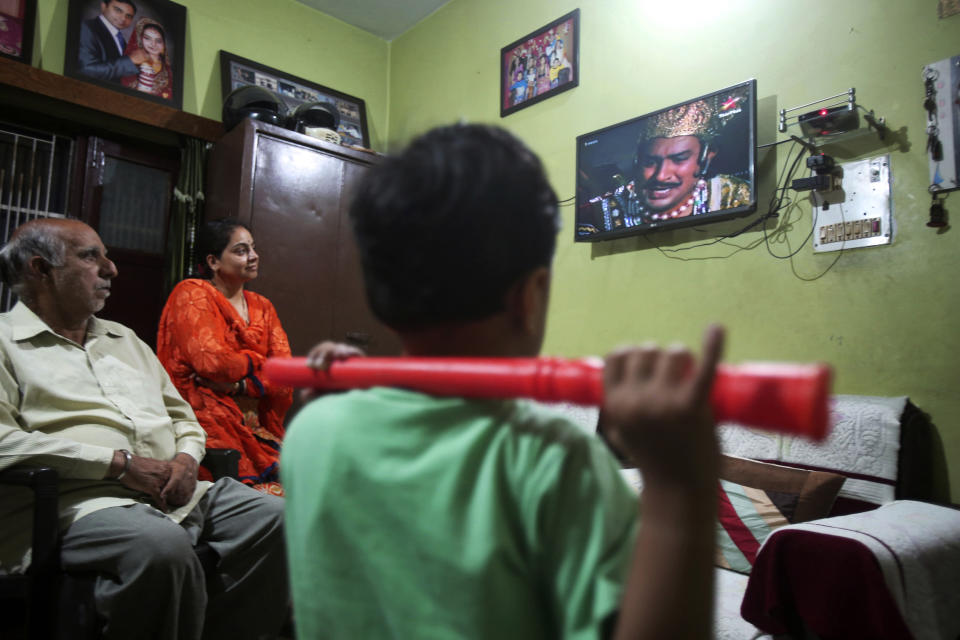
201 334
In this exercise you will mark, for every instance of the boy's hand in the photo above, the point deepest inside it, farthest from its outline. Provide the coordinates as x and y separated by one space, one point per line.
322 355
657 410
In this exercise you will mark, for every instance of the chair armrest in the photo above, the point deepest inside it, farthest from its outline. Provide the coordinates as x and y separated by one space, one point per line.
222 463
43 482
28 476
44 570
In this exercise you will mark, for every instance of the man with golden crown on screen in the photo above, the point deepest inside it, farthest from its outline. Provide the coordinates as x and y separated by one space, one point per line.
672 162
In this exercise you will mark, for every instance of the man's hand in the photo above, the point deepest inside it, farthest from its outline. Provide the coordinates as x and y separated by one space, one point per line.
183 480
148 476
321 356
138 56
169 484
657 409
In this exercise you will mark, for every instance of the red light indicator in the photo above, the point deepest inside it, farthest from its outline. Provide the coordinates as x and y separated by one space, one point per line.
823 112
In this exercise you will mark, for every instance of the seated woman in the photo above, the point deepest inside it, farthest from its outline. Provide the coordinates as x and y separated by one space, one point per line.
213 339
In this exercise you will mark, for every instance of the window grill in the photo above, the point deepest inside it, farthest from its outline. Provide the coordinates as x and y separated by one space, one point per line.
35 170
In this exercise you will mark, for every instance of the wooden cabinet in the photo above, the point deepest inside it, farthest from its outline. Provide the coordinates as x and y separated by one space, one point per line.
293 191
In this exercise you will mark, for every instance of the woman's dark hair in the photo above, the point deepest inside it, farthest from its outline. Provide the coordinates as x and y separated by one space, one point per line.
214 238
448 226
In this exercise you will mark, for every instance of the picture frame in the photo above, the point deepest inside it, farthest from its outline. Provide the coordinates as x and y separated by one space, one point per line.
541 64
236 71
18 20
153 31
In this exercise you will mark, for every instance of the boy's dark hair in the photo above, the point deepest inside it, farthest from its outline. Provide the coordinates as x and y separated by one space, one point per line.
448 226
214 238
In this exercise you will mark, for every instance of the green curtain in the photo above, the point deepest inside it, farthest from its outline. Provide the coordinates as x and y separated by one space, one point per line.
186 214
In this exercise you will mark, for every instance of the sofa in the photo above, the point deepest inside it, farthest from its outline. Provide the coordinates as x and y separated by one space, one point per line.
843 574
837 539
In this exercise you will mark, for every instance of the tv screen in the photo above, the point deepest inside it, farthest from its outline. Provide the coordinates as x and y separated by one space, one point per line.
687 164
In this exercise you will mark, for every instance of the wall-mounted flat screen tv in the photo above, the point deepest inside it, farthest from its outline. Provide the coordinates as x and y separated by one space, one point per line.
688 164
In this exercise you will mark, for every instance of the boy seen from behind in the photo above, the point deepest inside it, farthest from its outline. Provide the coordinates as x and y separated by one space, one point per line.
415 516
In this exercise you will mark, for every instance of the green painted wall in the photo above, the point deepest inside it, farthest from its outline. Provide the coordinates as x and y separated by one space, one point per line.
884 317
282 34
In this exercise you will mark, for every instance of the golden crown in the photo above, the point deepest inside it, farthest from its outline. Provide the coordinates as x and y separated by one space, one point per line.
693 119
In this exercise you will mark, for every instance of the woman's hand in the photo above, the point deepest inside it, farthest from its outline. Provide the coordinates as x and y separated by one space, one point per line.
228 388
321 356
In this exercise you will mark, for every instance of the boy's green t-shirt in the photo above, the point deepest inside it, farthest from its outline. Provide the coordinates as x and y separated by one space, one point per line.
412 516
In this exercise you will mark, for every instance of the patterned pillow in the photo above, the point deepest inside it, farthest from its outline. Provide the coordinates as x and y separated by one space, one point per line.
755 498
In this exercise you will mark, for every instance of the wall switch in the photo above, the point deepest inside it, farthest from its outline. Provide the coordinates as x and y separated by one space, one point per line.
858 212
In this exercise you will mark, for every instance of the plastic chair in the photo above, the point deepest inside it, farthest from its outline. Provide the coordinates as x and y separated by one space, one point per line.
46 602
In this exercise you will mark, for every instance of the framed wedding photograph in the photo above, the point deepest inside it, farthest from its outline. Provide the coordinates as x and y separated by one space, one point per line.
541 64
17 22
237 72
132 46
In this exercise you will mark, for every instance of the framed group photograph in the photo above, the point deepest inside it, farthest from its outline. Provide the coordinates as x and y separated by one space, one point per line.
135 47
541 64
293 91
17 21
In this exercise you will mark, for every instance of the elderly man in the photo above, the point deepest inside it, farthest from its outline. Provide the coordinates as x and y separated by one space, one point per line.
86 397
102 43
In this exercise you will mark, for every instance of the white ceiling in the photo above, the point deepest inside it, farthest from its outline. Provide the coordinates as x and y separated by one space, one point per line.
384 18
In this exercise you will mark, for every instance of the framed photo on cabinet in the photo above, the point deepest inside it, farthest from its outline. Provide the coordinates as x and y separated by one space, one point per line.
17 22
541 64
237 72
133 47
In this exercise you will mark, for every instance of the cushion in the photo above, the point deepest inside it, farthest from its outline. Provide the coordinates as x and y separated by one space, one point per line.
863 445
756 498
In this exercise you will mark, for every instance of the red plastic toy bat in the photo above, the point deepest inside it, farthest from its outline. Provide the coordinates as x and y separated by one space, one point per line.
788 398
